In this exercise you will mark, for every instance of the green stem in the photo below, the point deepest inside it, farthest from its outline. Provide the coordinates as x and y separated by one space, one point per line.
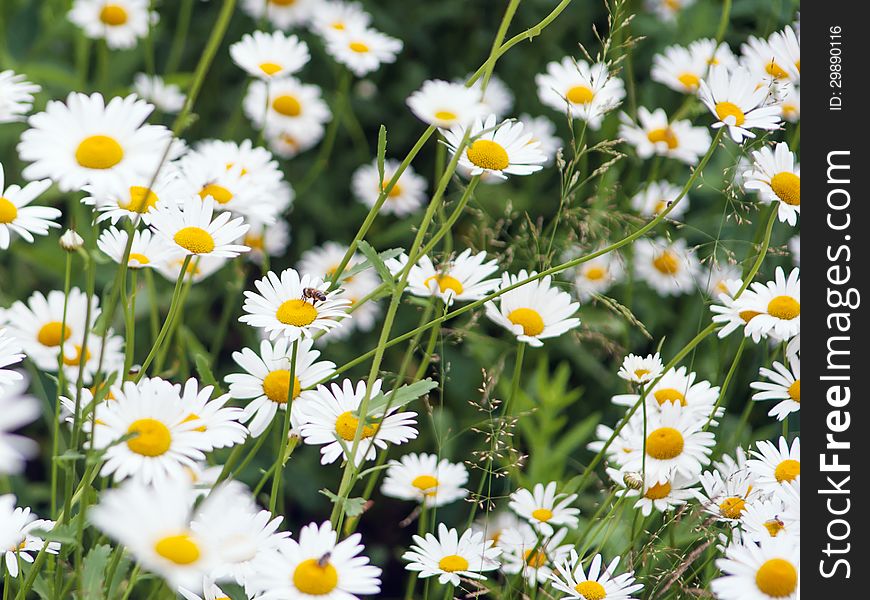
185 12
167 324
285 431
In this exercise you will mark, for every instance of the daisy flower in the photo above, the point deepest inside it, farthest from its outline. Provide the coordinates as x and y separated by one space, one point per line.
9 355
718 275
166 439
737 104
495 523
255 166
404 198
87 140
19 218
327 418
525 551
285 105
446 105
534 311
425 479
766 571
777 306
111 355
191 229
316 565
283 14
734 314
462 278
654 135
219 422
680 69
281 309
712 52
596 583
543 131
775 465
361 50
667 10
16 96
680 388
266 381
641 369
777 177
675 443
584 91
768 519
791 106
656 197
270 55
451 557
776 59
543 508
496 149
654 495
784 387
147 251
339 16
287 144
132 197
16 410
167 97
669 268
727 498
120 22
597 276
19 543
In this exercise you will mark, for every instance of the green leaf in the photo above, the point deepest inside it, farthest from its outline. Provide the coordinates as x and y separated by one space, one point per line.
353 507
402 396
376 261
382 153
92 572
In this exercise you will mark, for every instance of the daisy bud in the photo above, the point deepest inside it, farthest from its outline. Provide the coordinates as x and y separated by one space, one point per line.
71 241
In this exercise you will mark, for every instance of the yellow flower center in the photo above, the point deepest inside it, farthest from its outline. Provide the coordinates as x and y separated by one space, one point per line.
358 47
595 273
542 514
787 187
296 312
732 508
73 360
775 71
220 194
425 483
670 395
141 200
536 559
665 443
641 373
487 154
270 68
666 135
113 15
784 307
445 282
8 211
194 239
346 424
527 318
591 590
395 191
748 315
99 152
153 437
658 491
446 115
724 110
580 94
254 241
777 577
689 80
774 526
453 563
276 386
50 333
787 470
180 549
287 105
667 263
140 259
313 578
794 390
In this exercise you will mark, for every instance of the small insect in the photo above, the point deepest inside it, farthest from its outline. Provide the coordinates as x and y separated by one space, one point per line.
324 560
632 480
313 294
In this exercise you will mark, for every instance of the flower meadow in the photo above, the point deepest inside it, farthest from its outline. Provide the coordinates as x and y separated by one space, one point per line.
312 299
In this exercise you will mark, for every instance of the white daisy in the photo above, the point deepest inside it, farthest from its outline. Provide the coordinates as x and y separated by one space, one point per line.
361 50
266 381
728 497
595 583
16 533
340 16
680 69
534 311
147 251
191 229
108 358
734 314
404 198
584 91
19 218
461 278
791 106
768 519
641 369
290 107
316 566
328 418
669 268
654 495
777 177
218 421
283 14
775 465
766 571
270 55
784 387
425 479
16 96
281 309
667 10
525 551
451 557
167 97
543 508
736 103
680 388
87 140
777 304
446 105
16 410
287 144
597 276
256 167
718 275
656 197
496 149
655 135
120 22
131 197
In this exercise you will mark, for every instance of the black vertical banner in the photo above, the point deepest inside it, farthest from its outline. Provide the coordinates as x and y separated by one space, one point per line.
836 268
